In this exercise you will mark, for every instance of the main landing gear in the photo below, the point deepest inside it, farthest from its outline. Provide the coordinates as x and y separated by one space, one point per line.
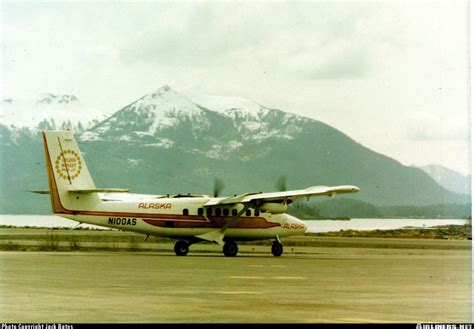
181 248
230 249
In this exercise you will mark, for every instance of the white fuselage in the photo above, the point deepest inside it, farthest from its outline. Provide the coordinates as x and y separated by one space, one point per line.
184 217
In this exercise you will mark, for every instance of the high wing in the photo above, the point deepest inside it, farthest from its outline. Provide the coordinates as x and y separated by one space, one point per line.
274 202
277 196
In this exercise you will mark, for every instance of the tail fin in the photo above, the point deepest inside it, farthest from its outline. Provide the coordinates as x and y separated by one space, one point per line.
67 173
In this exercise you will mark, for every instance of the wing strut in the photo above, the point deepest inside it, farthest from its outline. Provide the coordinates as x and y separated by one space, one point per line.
234 218
218 235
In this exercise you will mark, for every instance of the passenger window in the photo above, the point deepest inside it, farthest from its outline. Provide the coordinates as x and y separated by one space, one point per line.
200 211
209 211
234 212
257 212
218 211
226 212
185 212
248 212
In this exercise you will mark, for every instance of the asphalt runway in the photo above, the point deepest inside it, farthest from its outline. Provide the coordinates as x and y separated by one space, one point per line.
310 285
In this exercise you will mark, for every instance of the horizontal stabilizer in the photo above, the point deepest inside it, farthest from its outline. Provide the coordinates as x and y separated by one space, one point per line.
40 191
100 190
93 190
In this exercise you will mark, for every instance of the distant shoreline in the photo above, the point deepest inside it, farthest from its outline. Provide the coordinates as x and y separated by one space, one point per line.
86 239
457 232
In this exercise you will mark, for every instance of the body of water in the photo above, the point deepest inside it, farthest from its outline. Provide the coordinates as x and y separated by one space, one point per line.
369 224
313 225
41 221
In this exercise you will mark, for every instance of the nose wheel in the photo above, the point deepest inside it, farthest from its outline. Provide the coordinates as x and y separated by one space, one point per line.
277 249
181 248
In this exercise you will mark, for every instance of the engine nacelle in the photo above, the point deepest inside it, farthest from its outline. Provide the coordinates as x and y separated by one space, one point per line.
275 207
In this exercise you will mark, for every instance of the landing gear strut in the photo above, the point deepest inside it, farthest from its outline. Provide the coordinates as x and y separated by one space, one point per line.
230 249
181 248
277 248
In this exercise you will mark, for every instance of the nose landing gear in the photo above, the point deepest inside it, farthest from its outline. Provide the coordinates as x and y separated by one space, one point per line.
277 248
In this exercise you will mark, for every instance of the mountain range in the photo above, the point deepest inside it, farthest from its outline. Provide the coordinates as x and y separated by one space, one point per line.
168 142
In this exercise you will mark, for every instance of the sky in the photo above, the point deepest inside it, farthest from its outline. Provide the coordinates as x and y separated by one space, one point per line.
392 75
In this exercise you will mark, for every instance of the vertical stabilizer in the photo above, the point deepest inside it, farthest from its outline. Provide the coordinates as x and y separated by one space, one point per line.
67 171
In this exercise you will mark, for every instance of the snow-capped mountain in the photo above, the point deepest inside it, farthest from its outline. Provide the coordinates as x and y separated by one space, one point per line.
252 120
56 99
48 111
156 118
149 116
217 127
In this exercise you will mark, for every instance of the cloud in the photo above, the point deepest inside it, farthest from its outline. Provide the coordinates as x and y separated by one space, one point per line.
197 34
309 40
425 126
338 61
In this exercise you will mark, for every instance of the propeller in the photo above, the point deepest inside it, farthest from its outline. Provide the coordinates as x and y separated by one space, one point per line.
218 187
280 184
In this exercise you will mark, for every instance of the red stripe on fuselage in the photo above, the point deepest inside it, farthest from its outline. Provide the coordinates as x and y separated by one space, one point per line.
218 222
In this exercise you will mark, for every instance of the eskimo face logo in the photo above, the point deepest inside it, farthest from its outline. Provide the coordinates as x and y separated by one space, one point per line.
69 166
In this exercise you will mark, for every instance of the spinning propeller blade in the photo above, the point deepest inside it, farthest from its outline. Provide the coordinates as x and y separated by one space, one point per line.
281 184
218 187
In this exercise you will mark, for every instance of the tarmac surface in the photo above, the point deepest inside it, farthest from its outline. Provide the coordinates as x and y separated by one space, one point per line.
305 285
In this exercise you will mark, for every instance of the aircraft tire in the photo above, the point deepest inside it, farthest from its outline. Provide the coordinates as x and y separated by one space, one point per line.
230 249
181 248
277 249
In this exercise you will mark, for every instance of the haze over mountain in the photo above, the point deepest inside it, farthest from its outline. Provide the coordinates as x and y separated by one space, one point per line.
449 179
167 142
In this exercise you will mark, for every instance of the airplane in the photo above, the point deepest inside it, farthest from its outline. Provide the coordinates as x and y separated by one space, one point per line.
190 218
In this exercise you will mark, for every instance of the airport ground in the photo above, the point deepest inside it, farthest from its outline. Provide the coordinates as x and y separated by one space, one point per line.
317 280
